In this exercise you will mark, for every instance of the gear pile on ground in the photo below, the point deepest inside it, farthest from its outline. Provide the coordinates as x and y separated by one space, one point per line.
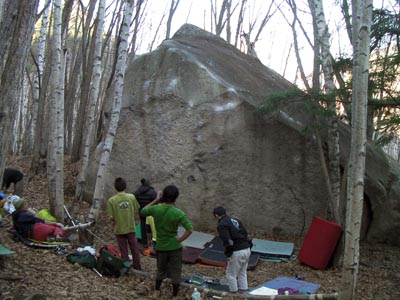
45 274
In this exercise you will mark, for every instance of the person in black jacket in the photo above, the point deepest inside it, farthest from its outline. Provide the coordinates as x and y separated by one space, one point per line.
13 176
144 195
237 244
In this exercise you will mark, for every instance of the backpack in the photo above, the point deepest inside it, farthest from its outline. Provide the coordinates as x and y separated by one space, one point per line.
84 258
110 262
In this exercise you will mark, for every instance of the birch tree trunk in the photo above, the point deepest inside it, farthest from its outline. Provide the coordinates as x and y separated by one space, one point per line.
81 62
94 94
13 58
362 18
38 78
318 14
56 136
116 109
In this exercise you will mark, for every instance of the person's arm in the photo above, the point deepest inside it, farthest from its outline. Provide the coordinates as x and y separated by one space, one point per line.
224 234
184 236
185 222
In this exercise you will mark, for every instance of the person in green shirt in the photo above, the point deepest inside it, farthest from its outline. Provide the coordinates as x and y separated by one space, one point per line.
122 208
167 219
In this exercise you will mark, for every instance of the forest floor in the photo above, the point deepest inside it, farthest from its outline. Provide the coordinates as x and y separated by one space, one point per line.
33 273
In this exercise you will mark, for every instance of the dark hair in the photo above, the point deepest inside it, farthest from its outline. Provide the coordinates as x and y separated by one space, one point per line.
120 184
220 211
169 194
145 181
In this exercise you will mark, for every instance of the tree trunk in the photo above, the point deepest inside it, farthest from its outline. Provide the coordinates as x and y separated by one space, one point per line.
172 10
56 142
362 16
116 109
21 22
85 83
94 94
37 116
318 14
240 21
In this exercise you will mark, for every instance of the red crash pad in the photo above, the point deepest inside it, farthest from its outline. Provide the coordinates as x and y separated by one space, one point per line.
319 243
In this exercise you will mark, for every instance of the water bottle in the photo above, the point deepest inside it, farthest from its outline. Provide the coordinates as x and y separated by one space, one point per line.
196 295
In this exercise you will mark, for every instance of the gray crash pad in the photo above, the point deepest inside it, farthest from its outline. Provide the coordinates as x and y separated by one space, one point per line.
268 248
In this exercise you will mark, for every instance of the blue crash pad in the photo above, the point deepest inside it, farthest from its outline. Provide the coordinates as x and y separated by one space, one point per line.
268 248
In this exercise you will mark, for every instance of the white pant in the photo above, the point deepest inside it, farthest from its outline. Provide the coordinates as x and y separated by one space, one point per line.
236 270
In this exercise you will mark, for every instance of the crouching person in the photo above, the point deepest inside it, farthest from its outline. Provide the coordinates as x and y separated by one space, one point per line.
31 227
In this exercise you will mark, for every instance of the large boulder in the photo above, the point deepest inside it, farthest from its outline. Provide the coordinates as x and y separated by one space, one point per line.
189 117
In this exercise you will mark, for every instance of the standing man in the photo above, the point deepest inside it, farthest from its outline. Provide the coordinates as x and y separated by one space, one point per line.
167 218
237 249
144 195
122 209
13 176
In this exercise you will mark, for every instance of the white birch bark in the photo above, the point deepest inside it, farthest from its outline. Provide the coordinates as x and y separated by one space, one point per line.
317 11
116 109
94 94
362 19
37 81
56 137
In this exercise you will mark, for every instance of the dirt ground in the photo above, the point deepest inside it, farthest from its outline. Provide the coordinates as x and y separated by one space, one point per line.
33 273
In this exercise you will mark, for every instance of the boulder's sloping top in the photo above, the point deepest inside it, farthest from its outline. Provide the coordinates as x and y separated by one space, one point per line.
201 68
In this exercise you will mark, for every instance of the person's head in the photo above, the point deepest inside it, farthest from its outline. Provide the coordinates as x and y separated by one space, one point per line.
219 212
145 181
169 194
19 203
120 184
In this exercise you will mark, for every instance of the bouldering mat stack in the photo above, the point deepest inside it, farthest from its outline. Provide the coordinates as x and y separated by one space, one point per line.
194 245
272 287
319 243
271 249
214 255
190 255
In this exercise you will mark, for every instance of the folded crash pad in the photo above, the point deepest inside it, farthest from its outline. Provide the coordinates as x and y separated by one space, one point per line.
266 248
272 287
319 243
217 258
190 255
197 239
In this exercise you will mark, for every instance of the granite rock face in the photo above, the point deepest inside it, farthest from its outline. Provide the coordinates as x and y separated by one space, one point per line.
189 118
